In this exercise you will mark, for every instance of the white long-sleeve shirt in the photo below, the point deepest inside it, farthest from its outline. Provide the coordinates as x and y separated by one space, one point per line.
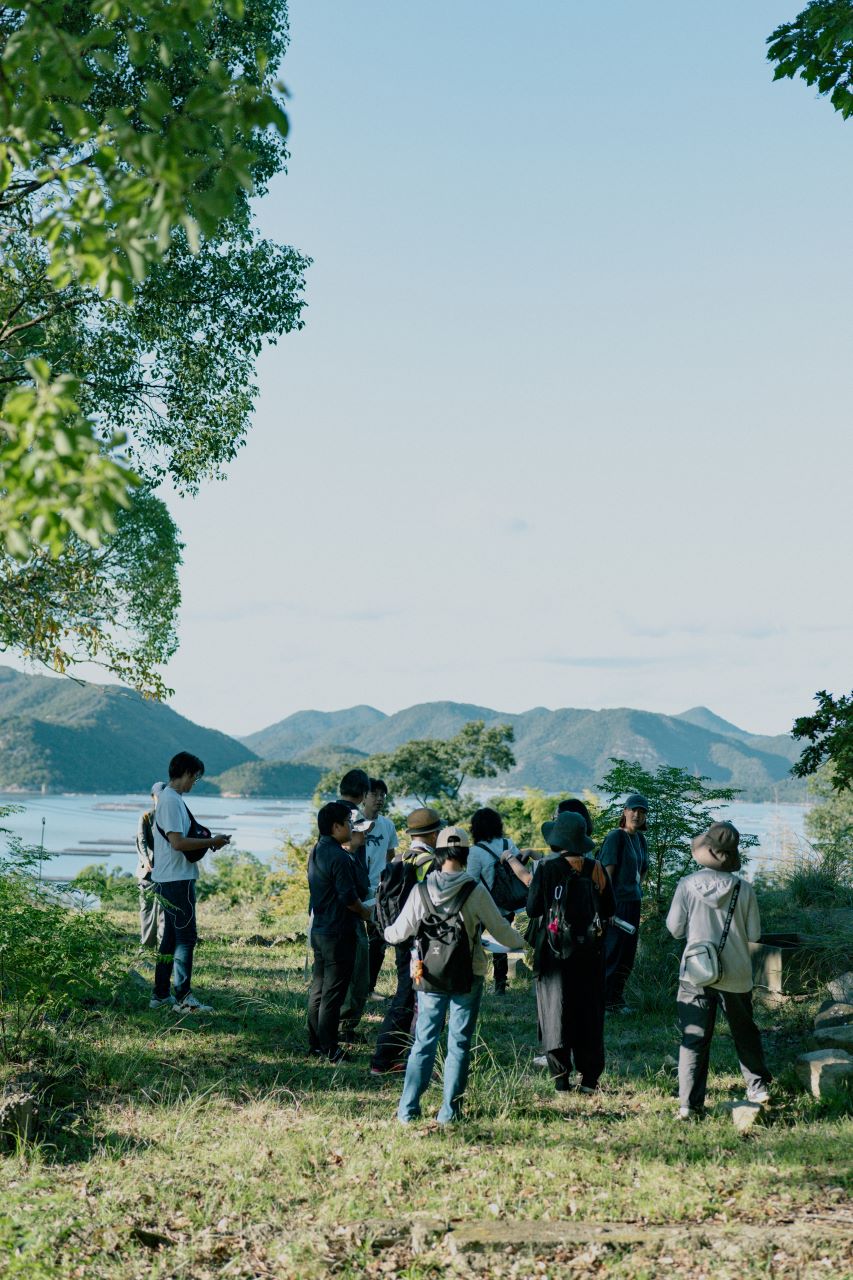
478 911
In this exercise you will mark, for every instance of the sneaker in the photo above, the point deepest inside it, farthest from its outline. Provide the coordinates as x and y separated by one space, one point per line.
690 1113
189 1004
377 997
313 1053
339 1055
395 1069
589 1088
758 1093
160 1002
562 1084
541 1061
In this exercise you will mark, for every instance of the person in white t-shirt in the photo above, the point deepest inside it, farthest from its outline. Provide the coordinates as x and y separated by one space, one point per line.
379 845
175 874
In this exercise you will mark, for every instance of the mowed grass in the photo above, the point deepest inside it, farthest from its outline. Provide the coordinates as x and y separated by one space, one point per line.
210 1146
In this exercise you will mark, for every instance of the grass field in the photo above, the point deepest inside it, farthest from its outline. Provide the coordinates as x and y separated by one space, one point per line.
210 1146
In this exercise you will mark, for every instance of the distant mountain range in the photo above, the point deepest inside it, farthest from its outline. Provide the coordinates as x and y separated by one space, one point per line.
555 750
63 736
58 735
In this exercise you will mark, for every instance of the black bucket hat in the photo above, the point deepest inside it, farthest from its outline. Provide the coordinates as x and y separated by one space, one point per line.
568 834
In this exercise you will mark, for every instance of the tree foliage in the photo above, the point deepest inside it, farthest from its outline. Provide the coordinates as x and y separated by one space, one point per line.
830 735
134 298
680 807
818 46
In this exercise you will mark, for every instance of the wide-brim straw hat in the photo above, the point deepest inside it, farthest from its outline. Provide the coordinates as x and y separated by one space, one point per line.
567 833
717 848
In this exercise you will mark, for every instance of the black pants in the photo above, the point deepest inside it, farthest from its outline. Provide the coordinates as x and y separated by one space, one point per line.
697 1014
620 952
376 947
334 959
395 1033
500 963
177 944
570 1002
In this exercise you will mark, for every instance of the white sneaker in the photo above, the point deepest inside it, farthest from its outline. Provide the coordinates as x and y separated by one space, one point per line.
157 1003
189 1004
759 1094
688 1113
541 1061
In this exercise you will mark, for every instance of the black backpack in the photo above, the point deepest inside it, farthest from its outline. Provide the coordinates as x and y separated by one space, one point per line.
443 950
573 921
397 881
509 893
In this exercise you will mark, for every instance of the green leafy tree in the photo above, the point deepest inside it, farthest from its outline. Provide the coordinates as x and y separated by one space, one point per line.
523 815
680 807
829 826
818 46
134 298
830 735
434 771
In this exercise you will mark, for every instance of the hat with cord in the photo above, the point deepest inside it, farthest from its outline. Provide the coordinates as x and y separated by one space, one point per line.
717 848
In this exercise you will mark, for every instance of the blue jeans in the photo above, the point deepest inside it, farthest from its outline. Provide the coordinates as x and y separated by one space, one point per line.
432 1012
177 900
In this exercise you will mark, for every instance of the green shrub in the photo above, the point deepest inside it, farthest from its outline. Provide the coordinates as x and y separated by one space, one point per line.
113 888
238 877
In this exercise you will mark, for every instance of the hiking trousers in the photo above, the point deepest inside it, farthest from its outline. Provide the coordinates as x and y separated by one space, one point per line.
620 952
376 948
394 1038
356 997
697 1014
334 957
150 915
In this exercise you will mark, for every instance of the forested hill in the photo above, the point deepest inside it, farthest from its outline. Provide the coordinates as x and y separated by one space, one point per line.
57 734
567 748
64 736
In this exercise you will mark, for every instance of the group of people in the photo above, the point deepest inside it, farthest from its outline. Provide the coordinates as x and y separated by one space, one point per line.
433 902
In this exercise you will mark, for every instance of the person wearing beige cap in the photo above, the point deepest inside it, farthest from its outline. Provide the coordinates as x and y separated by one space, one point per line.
448 900
392 1043
717 912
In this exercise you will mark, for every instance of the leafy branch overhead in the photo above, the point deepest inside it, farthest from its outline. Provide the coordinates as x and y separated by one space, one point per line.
122 124
818 46
135 294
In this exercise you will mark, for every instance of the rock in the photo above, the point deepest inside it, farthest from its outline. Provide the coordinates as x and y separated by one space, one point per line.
841 988
516 968
137 980
744 1114
17 1117
835 1014
824 1071
835 1037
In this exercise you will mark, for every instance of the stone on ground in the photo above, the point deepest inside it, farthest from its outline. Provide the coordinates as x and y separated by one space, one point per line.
835 1037
744 1114
841 988
824 1071
835 1014
17 1117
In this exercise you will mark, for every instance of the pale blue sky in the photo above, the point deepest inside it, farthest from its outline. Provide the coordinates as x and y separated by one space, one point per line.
568 424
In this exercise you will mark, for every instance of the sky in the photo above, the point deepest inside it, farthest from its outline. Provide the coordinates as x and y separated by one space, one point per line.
568 423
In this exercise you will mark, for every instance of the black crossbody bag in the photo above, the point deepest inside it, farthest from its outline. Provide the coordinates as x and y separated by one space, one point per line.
196 832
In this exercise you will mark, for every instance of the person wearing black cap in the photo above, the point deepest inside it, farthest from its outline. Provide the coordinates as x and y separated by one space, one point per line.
717 912
570 891
625 857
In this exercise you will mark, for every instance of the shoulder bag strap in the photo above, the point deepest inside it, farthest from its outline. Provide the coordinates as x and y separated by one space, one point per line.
731 912
435 912
481 844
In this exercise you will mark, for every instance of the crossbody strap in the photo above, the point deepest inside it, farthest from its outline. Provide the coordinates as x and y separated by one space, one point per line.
481 844
731 912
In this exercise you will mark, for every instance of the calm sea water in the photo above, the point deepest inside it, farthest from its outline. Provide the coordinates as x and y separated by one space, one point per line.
80 830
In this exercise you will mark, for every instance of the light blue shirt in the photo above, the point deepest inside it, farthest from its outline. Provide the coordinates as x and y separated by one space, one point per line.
481 864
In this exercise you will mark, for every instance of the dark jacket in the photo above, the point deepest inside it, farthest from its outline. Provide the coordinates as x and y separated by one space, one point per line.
335 880
567 991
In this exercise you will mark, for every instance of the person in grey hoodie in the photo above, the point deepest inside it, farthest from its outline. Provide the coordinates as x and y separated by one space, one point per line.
478 910
699 910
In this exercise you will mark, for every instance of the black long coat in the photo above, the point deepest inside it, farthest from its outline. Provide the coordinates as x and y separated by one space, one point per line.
569 993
